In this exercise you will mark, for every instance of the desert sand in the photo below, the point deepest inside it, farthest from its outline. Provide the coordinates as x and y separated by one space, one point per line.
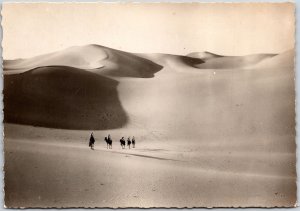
211 130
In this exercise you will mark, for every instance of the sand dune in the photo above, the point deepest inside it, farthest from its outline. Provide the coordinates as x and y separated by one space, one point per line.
86 57
203 55
283 60
178 62
62 97
230 62
204 92
111 62
212 99
206 60
95 58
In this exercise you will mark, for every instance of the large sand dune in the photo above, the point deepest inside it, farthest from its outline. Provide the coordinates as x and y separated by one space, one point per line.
62 97
94 58
205 137
235 101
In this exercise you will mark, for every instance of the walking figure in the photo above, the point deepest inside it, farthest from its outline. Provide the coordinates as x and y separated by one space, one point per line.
133 142
122 142
92 141
108 141
128 142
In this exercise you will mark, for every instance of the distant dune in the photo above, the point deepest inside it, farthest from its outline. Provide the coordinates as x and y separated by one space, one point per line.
62 97
204 55
285 59
172 60
234 101
96 58
206 60
231 62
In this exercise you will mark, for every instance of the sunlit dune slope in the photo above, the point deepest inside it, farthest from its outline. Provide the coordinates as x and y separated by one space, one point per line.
95 58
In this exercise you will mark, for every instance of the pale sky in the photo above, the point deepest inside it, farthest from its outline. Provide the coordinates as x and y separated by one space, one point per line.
31 29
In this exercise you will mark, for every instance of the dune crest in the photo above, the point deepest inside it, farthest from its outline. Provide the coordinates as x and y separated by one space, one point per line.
111 62
232 62
95 58
174 61
205 60
87 57
204 55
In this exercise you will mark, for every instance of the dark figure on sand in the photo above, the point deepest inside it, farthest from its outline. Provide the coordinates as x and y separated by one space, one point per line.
128 142
122 142
133 142
108 141
92 141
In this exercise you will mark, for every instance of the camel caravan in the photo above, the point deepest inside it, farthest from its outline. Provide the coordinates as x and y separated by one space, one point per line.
109 142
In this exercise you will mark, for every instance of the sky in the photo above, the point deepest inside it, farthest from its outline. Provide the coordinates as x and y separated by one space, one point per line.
31 29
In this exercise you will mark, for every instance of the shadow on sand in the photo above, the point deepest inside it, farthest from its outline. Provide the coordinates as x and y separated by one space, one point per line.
145 156
62 97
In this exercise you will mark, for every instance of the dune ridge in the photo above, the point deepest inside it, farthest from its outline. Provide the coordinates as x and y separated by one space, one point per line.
94 58
115 63
175 62
204 55
206 60
232 62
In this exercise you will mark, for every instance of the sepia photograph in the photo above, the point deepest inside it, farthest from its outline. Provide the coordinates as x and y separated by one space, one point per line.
149 105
